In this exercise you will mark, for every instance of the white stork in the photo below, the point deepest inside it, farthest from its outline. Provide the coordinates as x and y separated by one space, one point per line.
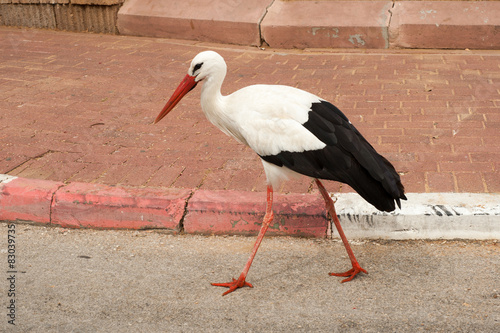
292 131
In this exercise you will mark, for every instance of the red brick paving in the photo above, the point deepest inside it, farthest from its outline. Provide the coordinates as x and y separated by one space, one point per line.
79 107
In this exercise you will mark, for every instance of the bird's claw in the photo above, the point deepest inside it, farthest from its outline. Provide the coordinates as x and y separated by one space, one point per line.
350 273
233 285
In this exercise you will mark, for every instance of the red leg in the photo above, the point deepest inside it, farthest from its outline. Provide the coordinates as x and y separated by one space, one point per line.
356 268
235 284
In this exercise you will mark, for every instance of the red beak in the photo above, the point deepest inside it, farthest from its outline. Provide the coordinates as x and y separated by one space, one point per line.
187 84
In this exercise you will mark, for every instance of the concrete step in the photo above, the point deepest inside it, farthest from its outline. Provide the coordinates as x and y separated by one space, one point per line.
318 24
230 22
279 24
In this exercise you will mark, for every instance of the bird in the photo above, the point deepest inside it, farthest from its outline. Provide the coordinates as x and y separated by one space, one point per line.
293 132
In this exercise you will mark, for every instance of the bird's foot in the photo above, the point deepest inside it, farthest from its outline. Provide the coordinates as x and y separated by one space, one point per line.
233 285
350 273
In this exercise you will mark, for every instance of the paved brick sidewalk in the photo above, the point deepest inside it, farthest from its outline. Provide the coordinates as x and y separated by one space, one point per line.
79 107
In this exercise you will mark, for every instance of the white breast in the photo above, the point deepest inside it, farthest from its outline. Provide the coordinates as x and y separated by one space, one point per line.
269 119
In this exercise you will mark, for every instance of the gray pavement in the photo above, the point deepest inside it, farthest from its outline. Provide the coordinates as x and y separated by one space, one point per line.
73 280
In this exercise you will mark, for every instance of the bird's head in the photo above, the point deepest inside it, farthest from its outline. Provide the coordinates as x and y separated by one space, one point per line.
205 66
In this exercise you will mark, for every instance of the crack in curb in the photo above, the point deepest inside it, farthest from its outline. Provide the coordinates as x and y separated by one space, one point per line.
184 214
52 204
388 37
263 42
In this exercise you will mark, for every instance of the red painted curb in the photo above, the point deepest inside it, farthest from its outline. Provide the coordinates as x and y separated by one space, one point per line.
241 213
27 199
102 206
83 205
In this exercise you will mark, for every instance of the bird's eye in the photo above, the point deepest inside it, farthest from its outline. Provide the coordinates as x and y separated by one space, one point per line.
196 67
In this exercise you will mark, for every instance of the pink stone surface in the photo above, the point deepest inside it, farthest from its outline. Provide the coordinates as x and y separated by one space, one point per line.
234 22
337 24
318 24
446 24
85 114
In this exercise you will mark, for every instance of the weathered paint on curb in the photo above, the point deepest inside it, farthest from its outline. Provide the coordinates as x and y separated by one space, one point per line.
241 213
108 207
27 199
424 216
83 205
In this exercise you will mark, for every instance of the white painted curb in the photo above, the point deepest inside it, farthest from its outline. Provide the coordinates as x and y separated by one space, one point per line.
4 179
423 216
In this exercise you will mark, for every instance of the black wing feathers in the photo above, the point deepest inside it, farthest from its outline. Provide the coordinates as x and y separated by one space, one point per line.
347 158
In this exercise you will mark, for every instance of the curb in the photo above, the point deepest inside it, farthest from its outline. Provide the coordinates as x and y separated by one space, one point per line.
424 216
384 24
241 213
83 205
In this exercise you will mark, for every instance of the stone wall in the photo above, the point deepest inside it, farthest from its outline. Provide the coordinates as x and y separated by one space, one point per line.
72 15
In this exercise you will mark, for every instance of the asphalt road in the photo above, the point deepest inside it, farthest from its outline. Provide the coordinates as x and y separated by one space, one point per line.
148 281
